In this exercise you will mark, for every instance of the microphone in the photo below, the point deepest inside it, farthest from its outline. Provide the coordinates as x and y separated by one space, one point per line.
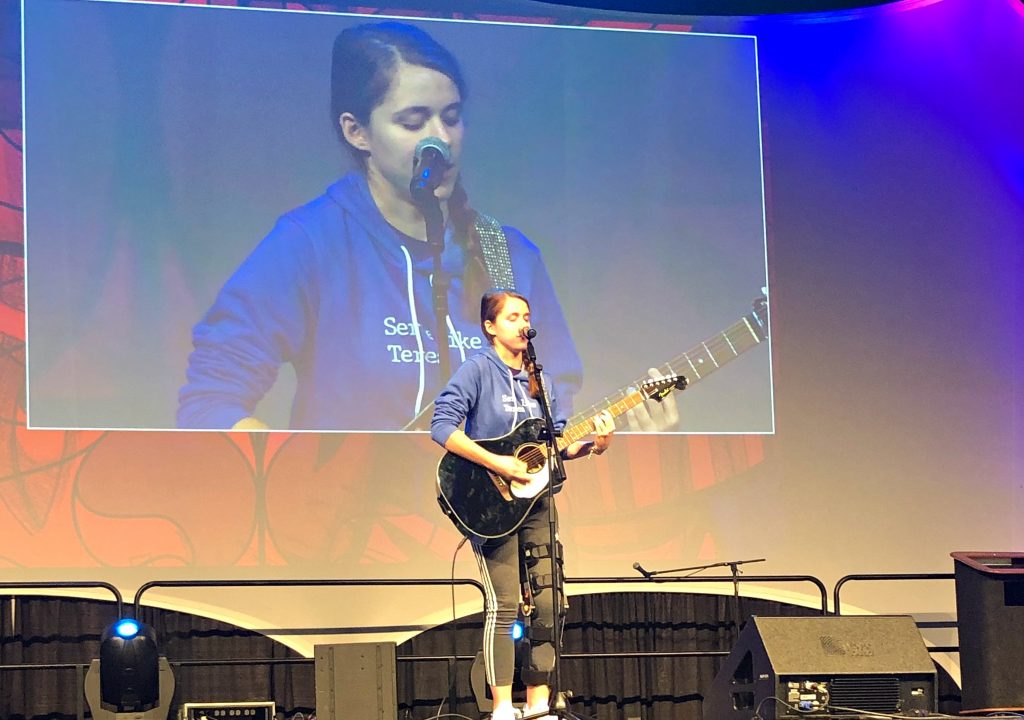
432 157
640 569
527 333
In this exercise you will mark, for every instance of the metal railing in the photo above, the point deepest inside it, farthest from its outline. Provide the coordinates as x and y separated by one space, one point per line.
891 577
703 579
880 577
69 585
378 582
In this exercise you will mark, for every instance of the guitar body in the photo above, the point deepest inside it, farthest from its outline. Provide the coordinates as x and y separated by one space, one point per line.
482 504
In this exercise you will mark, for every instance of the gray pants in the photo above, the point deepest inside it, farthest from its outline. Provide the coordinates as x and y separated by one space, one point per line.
499 562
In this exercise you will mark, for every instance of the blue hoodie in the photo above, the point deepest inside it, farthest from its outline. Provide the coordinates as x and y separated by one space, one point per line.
490 397
346 298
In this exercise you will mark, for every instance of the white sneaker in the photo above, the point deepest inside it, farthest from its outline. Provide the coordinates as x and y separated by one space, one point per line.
506 712
535 712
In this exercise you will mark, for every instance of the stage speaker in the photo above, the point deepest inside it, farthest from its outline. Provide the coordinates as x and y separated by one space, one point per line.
784 667
990 623
356 680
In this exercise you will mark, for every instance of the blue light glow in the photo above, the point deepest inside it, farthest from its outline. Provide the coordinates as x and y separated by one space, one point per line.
518 630
126 628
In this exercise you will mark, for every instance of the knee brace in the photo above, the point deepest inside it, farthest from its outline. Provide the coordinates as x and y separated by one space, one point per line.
535 552
533 582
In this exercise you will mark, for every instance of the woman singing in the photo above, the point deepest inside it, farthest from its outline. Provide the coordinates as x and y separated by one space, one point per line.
341 287
491 393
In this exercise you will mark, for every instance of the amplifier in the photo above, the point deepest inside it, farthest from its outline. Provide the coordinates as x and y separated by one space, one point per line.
229 711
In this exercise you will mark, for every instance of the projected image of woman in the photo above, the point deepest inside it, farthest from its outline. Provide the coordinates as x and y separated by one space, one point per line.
341 287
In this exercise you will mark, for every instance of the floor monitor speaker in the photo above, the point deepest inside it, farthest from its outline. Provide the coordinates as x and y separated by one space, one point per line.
785 667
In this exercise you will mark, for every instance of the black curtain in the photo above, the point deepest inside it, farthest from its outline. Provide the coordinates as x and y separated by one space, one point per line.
647 688
44 630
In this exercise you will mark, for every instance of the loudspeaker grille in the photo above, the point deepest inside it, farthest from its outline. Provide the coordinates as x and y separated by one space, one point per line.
877 694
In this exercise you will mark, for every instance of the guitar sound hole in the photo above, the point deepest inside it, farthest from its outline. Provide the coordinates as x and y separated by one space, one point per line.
533 456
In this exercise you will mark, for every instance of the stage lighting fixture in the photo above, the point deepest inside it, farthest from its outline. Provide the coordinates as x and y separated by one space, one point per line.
129 667
518 630
127 628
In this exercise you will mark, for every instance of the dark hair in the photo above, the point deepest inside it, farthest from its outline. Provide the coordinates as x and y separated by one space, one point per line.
363 65
490 305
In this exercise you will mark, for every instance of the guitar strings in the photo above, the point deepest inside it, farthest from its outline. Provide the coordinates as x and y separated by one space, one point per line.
721 348
533 456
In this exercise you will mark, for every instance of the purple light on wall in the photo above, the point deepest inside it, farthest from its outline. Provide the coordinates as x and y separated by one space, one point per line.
857 13
1013 164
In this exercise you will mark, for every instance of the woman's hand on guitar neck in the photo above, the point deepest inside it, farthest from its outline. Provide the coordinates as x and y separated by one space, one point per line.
653 416
604 426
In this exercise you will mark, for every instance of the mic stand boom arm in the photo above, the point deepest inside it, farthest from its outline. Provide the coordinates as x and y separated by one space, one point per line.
734 567
733 564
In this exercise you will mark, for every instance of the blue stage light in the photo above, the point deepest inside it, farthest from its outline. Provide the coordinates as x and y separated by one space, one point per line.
129 667
126 628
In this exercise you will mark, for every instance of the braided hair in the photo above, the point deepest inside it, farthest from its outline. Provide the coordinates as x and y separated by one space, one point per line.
363 65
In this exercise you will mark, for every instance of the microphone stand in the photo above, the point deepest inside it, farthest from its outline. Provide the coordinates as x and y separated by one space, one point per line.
556 703
423 195
734 567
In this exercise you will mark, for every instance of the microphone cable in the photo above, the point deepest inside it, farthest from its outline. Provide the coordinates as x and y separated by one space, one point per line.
452 681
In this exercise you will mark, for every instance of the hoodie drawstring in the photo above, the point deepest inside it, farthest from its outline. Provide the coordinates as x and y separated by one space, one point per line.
416 326
515 399
442 344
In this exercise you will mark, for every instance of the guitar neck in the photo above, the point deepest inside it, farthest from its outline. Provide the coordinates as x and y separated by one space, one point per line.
697 363
579 430
719 349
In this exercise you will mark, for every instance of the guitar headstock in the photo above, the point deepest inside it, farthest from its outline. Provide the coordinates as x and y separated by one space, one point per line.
760 315
659 388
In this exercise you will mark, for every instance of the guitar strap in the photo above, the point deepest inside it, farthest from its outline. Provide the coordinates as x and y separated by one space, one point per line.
494 248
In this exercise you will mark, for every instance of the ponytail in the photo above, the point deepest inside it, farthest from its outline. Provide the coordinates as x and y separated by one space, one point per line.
530 367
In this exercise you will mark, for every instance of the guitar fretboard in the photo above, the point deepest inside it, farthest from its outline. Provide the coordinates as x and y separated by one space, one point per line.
581 429
696 364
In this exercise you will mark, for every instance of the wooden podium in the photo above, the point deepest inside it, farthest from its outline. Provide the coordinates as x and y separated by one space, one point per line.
990 618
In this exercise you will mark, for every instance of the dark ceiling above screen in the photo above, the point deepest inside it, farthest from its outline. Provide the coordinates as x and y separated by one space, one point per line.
723 7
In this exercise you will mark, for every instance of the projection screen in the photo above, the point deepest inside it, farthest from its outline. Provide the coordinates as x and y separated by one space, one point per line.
632 160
